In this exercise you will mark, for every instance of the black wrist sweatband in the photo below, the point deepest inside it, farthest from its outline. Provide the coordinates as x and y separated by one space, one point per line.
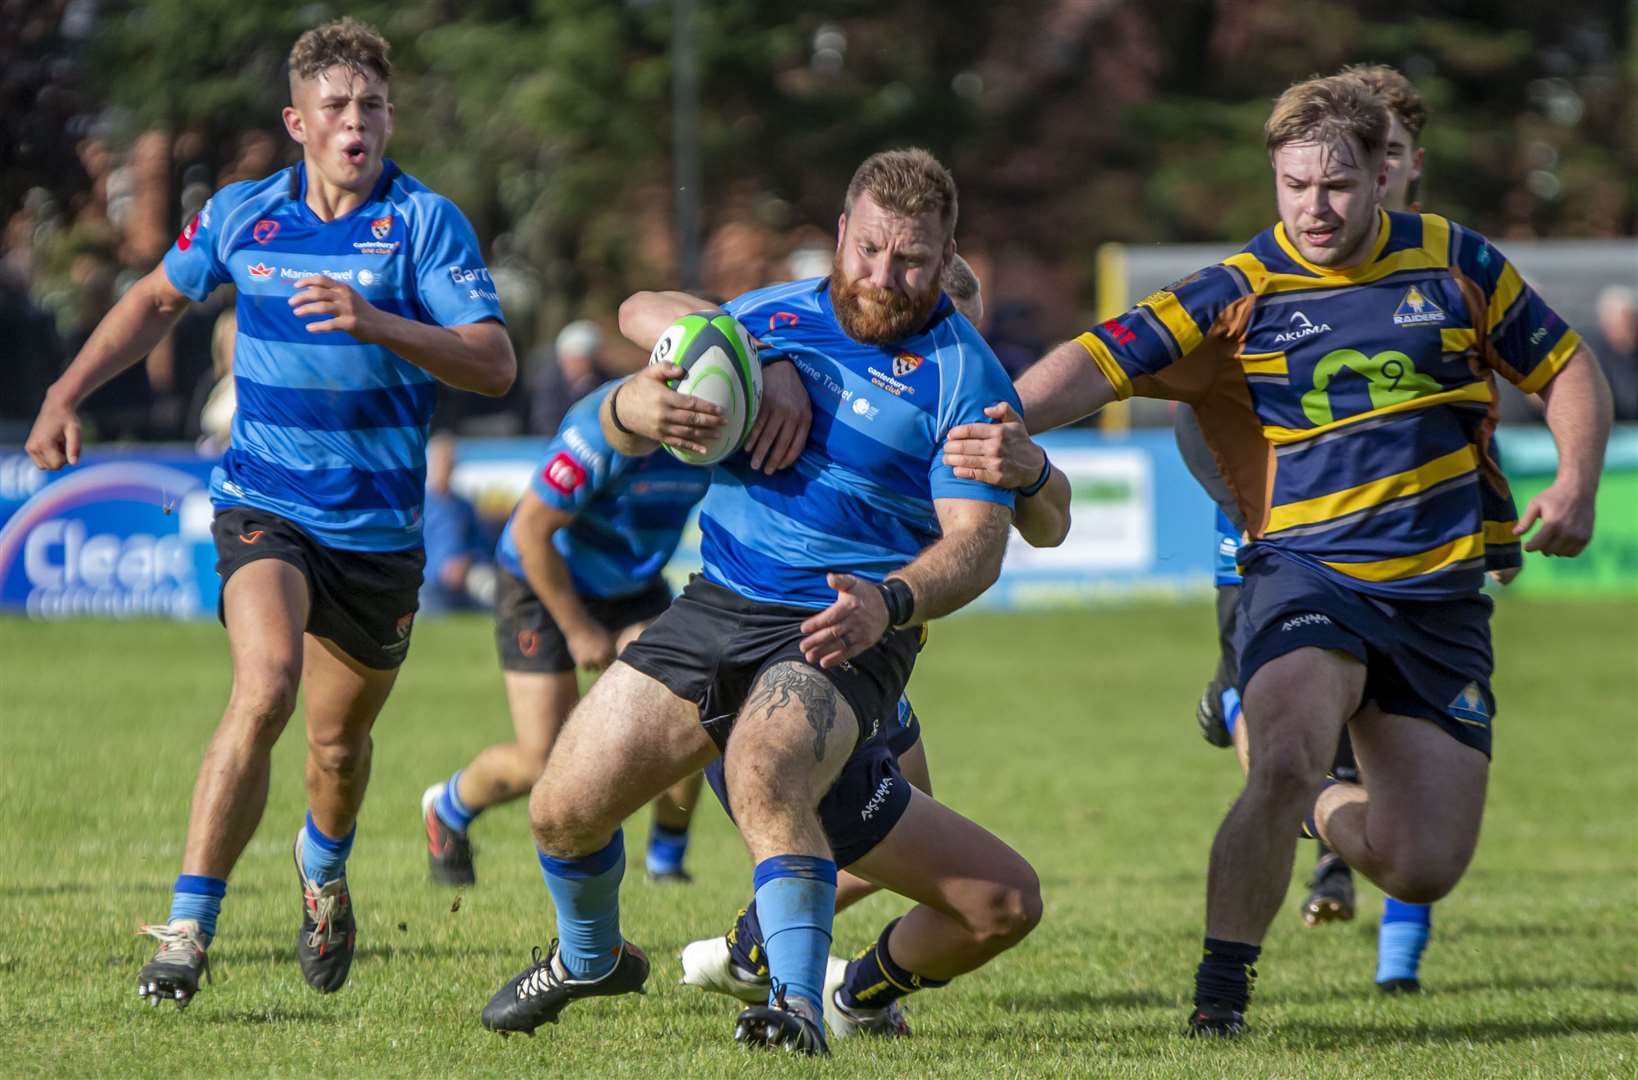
900 601
1040 481
614 410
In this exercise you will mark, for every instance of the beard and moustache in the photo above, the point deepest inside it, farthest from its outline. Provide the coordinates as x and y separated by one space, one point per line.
879 316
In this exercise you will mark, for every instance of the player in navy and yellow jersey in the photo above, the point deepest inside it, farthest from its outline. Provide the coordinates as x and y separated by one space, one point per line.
358 290
581 563
787 652
1341 366
1405 927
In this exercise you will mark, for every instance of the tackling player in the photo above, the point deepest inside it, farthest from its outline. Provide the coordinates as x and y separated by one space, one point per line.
1404 930
1342 367
358 289
801 632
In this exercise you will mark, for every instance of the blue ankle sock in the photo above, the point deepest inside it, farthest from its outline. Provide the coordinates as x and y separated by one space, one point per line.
1231 710
586 893
324 858
450 809
796 902
666 848
198 898
1401 940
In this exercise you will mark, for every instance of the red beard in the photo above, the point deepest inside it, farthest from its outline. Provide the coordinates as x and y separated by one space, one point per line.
888 316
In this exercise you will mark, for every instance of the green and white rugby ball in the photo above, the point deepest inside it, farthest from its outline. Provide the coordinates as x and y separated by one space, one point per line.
720 365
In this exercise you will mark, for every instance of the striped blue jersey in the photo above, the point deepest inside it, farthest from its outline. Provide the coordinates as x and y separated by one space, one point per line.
331 433
629 512
860 497
1353 409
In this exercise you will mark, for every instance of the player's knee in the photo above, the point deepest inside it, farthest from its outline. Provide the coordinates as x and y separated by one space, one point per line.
264 700
1418 885
564 827
339 754
1007 911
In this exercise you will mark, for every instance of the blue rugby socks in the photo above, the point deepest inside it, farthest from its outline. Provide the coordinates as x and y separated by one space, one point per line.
1226 975
666 848
324 858
1402 939
454 813
586 893
199 898
796 903
874 980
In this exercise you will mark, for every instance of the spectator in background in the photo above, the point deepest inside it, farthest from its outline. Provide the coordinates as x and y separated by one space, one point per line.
33 356
576 368
459 575
120 409
214 401
1617 346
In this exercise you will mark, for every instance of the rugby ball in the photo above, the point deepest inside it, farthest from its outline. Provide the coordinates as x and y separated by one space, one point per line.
720 365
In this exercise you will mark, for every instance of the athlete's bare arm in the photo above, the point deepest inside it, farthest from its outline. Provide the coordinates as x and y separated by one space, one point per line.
948 575
533 524
1003 454
1063 386
130 330
1579 414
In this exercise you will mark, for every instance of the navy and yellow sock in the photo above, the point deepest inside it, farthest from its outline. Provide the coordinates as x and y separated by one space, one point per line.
874 980
745 945
1226 975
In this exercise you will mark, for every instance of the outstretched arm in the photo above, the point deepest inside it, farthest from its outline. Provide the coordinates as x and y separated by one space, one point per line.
129 331
1579 415
947 576
1063 386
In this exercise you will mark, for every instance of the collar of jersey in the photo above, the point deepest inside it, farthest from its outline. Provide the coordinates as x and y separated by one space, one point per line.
1326 273
298 190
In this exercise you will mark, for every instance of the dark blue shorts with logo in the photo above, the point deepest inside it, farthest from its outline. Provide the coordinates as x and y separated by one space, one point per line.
1425 658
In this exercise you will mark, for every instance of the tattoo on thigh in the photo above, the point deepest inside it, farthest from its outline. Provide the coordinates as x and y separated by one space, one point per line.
779 686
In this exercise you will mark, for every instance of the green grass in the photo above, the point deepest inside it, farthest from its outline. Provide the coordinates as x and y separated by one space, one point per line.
1069 734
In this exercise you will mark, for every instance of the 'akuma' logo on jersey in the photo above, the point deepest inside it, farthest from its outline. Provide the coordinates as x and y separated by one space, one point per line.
1417 310
563 474
264 230
1301 327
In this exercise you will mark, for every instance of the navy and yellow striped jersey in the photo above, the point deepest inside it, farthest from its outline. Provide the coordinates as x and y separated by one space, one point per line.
1351 410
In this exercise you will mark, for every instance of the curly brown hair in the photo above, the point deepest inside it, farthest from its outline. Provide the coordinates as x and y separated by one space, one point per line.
344 43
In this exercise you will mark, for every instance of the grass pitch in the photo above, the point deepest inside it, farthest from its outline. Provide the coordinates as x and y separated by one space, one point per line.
1069 734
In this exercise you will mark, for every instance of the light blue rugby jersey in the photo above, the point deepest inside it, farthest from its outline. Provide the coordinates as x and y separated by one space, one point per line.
331 433
629 512
860 497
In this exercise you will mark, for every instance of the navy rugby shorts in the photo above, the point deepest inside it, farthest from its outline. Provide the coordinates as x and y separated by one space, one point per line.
1424 658
868 799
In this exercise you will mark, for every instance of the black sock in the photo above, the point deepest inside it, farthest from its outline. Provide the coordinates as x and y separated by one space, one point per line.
1323 850
1226 975
874 980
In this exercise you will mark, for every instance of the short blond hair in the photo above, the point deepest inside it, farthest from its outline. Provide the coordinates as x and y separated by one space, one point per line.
1326 110
344 43
908 182
1398 93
